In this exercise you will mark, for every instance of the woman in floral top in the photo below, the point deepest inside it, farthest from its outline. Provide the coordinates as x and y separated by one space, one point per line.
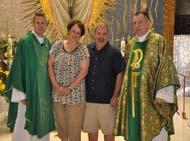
68 65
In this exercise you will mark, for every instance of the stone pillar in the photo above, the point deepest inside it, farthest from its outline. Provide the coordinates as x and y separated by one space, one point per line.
168 23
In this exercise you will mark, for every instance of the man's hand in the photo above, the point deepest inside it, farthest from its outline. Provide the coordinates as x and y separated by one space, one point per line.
113 101
57 89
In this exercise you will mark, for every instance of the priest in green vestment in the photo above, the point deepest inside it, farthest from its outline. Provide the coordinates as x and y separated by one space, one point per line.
28 87
147 99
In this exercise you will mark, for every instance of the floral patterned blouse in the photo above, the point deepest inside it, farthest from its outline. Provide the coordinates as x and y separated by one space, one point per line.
66 68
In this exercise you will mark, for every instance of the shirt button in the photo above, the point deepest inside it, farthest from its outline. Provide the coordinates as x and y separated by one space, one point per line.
93 72
92 80
92 88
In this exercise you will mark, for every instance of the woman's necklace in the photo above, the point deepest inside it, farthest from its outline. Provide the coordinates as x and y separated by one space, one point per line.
69 49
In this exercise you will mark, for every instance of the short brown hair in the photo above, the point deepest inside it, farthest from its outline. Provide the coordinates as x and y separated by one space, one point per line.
101 25
38 14
80 25
145 14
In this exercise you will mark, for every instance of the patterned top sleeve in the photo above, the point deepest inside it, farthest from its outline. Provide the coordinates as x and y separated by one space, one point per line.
84 53
56 48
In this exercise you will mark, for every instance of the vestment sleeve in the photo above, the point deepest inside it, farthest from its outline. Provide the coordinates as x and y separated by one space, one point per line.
17 95
167 94
17 73
166 74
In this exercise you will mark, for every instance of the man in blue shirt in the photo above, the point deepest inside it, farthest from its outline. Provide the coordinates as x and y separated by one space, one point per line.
103 84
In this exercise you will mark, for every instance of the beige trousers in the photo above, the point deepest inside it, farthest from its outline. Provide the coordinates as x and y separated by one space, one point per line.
69 120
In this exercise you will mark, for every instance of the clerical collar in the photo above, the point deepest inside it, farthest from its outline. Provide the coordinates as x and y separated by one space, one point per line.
40 39
143 38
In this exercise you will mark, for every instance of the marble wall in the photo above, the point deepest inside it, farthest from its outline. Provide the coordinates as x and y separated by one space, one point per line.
182 61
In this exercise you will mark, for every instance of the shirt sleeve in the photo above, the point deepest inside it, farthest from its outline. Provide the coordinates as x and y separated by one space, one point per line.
118 62
85 53
56 48
17 95
166 93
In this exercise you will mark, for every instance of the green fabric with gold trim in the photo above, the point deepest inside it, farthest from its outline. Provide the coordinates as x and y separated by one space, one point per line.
158 71
29 74
133 104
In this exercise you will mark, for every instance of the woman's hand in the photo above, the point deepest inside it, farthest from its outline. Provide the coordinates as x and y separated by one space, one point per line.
57 89
65 90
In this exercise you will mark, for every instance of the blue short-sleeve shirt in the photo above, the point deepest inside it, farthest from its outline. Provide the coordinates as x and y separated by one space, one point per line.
105 64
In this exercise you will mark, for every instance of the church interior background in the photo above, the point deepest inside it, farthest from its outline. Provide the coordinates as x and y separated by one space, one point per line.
170 18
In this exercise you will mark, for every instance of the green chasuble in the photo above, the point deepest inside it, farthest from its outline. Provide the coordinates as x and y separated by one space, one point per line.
29 74
149 69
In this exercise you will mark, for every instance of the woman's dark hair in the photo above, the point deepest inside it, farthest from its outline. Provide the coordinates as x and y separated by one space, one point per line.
76 22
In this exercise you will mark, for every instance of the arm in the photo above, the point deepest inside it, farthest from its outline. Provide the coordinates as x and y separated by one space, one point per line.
118 83
54 83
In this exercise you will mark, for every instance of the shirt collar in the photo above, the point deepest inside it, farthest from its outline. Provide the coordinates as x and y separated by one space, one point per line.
40 39
142 38
102 49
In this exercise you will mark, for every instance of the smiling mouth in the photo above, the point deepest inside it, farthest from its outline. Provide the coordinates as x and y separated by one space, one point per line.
100 39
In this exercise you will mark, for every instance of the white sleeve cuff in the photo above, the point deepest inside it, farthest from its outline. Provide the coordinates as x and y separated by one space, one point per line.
167 94
17 95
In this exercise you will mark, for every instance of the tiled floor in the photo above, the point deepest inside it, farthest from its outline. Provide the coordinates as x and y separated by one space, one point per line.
6 136
182 127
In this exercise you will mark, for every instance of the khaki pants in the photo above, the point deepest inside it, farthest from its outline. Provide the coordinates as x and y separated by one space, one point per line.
99 116
69 120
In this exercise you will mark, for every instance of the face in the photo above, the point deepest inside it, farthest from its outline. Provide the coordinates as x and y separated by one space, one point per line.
74 33
39 25
141 25
101 35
